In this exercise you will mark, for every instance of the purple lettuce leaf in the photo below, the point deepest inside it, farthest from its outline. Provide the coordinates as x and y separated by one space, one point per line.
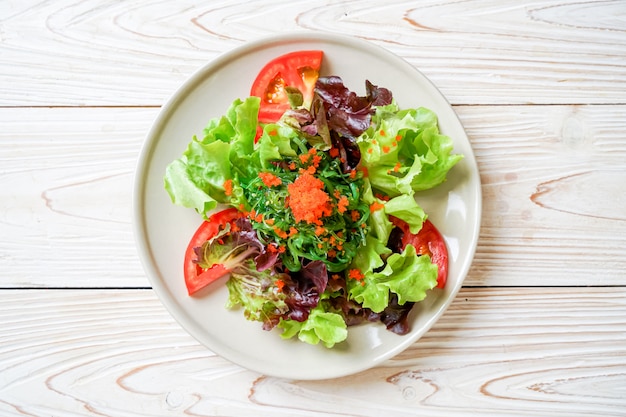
304 288
396 316
347 113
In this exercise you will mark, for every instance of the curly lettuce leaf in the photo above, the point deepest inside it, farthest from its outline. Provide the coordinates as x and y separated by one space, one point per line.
406 208
404 151
378 221
323 326
243 116
275 144
370 257
196 179
403 206
405 274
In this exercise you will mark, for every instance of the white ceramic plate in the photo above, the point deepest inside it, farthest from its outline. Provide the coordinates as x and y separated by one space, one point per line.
163 229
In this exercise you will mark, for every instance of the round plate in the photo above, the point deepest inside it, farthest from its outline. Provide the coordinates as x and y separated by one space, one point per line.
163 229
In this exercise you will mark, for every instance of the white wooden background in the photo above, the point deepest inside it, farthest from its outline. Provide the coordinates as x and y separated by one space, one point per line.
540 326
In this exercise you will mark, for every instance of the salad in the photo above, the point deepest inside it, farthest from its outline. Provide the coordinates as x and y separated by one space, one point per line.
308 195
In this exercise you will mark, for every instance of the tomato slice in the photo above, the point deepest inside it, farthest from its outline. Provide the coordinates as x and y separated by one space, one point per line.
428 241
196 277
298 69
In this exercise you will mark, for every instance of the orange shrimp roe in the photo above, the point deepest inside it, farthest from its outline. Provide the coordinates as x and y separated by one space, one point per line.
376 206
342 204
307 199
228 187
280 233
355 274
270 179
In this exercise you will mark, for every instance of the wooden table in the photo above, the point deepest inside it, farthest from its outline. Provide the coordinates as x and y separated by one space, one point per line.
539 327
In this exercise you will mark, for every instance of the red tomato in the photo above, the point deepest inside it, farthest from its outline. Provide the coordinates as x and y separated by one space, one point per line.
296 69
197 278
428 241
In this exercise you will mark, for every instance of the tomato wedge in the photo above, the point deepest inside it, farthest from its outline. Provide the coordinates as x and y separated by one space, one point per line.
298 69
428 241
196 277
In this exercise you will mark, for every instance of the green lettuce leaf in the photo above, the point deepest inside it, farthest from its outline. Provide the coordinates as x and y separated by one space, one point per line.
321 326
404 152
243 116
196 179
275 144
436 158
370 256
378 221
406 274
406 208
403 206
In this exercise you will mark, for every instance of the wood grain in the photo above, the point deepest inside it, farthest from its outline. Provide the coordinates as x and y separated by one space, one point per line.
66 196
67 53
538 330
494 352
552 189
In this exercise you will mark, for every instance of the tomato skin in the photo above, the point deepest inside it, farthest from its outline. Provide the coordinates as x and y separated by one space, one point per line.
197 278
428 241
298 69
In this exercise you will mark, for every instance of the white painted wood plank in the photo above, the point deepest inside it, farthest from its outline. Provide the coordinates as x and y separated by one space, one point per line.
498 352
482 52
66 196
554 210
554 207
